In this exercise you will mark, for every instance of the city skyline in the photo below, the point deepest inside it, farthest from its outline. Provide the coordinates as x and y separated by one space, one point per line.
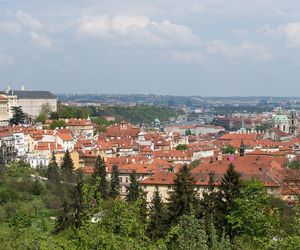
203 48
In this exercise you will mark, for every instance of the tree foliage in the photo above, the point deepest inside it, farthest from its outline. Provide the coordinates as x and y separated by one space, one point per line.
18 116
67 167
100 172
134 190
182 147
115 182
182 198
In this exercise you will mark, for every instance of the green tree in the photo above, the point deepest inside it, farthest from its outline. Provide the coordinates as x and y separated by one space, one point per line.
53 172
209 201
229 190
100 171
182 147
251 214
156 227
46 109
72 211
218 243
228 150
19 221
182 198
38 187
58 124
133 189
188 132
2 163
188 234
115 182
41 118
67 167
18 116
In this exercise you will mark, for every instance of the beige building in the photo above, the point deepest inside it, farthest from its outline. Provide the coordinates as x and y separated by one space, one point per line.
31 102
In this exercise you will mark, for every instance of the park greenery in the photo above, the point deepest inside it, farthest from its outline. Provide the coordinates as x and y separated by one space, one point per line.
135 114
60 208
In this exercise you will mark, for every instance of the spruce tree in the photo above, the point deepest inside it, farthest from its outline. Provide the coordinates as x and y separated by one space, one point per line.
182 198
229 190
18 116
209 200
71 213
53 172
133 189
156 227
67 167
100 171
2 163
115 182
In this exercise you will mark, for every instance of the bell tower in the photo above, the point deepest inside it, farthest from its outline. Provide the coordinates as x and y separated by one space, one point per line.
293 123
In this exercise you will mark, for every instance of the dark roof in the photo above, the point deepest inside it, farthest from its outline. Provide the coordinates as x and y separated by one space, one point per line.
34 94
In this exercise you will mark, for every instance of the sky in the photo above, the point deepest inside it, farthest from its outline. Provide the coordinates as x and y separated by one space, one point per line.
176 47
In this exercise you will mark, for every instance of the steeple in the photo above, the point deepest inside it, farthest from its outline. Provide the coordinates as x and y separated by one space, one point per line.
23 87
242 148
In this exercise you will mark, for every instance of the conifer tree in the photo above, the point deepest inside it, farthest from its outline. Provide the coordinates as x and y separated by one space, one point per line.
182 198
209 201
229 190
53 172
115 182
156 226
2 162
133 189
72 208
100 171
67 167
18 116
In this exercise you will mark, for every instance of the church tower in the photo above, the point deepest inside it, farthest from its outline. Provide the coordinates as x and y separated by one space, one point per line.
293 123
242 148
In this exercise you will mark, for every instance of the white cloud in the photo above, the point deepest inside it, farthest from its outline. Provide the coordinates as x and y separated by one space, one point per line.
138 31
10 27
28 20
99 25
41 40
292 33
6 60
244 50
121 24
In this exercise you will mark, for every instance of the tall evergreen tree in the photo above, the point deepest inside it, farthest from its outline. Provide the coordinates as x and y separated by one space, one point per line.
229 190
115 182
53 172
133 189
100 171
156 227
67 167
208 203
71 213
2 162
18 116
182 198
